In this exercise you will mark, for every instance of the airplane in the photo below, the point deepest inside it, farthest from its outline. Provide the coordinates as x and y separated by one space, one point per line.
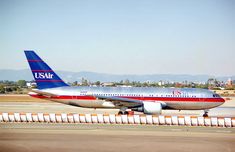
148 100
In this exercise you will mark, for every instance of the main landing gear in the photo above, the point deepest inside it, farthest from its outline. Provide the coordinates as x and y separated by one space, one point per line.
123 111
205 113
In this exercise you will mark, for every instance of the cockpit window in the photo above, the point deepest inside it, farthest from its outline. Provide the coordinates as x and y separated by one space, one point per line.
216 95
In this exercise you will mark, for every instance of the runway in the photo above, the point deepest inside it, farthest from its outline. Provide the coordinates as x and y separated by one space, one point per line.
24 137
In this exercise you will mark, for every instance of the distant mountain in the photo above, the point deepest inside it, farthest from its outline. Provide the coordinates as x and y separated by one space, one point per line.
14 75
25 74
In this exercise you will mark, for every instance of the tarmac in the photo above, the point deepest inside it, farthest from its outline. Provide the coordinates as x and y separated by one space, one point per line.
37 137
26 137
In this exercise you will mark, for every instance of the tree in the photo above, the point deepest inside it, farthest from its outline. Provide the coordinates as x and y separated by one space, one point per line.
2 89
97 83
21 83
85 82
75 83
145 84
127 82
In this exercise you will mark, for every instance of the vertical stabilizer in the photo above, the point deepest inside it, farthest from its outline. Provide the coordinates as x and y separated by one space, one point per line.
44 76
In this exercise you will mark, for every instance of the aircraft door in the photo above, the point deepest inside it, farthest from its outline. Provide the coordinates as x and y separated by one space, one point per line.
74 96
202 96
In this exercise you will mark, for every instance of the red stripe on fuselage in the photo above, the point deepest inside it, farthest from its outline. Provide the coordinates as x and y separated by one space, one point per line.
166 99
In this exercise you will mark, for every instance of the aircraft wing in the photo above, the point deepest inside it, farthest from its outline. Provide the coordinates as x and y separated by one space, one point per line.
121 102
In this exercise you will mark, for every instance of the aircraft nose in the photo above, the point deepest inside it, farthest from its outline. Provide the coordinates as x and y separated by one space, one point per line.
220 98
223 100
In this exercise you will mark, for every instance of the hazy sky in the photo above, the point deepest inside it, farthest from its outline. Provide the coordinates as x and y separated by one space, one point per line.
121 36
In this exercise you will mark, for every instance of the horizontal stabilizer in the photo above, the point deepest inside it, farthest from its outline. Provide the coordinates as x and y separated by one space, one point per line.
39 92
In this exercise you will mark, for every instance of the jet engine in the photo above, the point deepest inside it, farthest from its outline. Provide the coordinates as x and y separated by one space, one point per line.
150 108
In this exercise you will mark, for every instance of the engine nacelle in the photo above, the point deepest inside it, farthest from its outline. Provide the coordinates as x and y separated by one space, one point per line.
150 108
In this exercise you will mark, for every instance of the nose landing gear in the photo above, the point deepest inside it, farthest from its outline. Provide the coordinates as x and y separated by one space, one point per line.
205 113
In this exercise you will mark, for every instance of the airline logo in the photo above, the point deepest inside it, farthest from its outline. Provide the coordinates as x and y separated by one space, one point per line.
176 92
42 75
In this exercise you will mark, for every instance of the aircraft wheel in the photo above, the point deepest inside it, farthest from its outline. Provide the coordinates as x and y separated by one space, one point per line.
205 114
120 113
126 113
123 112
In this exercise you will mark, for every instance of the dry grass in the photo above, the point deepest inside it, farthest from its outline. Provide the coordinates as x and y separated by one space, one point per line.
19 98
225 93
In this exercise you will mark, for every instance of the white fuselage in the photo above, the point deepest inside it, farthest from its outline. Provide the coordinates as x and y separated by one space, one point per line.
170 98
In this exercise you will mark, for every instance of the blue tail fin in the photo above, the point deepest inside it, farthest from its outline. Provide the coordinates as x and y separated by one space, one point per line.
44 76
